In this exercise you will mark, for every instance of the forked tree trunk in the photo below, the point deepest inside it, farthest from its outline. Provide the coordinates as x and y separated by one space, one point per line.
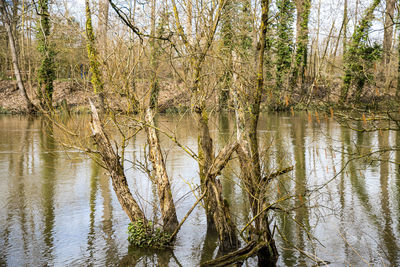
224 226
249 157
218 206
167 206
217 210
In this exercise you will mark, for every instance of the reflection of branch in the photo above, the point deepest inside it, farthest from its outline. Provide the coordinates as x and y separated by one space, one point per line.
352 248
187 215
305 253
218 165
270 206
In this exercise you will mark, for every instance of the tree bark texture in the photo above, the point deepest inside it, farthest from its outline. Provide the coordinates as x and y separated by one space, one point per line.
249 156
114 167
94 64
303 13
168 211
13 50
167 206
388 30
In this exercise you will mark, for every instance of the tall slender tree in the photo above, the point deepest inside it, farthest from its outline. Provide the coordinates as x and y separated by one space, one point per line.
226 52
355 71
7 22
247 116
344 25
167 206
94 64
284 44
303 8
388 31
46 74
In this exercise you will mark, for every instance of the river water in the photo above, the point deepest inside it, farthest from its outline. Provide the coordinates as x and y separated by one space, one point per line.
57 206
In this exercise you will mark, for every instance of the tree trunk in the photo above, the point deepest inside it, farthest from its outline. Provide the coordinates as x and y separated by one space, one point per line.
168 211
303 13
217 206
103 27
46 74
96 78
226 51
352 66
13 50
398 66
388 31
114 167
249 157
103 24
345 21
387 41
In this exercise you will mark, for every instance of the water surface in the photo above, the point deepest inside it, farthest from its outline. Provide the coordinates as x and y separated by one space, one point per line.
58 208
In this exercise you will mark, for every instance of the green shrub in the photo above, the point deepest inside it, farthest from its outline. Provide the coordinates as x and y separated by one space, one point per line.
147 236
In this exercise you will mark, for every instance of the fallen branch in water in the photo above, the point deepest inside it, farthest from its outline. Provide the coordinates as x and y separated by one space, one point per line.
237 256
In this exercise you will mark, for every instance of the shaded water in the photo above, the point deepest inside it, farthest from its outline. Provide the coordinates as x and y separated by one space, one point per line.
58 208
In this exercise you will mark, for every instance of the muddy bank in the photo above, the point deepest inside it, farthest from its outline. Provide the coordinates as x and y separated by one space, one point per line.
76 96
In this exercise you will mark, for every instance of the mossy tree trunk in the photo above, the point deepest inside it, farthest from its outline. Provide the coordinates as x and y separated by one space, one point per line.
249 156
284 43
46 74
353 68
217 210
303 8
96 77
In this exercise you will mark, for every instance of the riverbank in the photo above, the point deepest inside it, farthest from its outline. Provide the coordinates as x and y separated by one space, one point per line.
75 97
173 98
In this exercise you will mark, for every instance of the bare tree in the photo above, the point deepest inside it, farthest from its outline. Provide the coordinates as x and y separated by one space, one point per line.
7 19
388 30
